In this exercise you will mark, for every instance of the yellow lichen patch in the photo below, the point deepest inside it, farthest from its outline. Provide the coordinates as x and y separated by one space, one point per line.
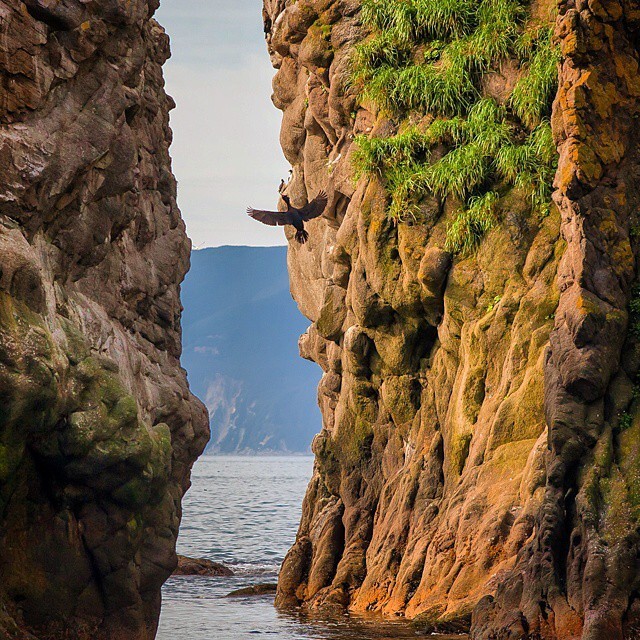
617 520
628 454
603 95
566 174
627 69
521 415
607 10
587 166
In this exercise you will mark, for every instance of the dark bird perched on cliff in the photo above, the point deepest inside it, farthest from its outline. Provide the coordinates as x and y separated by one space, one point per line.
293 216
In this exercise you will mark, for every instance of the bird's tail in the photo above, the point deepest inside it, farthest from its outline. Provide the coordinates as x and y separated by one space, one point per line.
302 236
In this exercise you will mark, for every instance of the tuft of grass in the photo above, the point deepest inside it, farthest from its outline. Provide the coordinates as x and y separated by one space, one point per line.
499 24
443 18
459 173
445 88
461 39
472 223
370 54
418 19
476 140
408 186
373 155
532 95
494 303
482 152
531 165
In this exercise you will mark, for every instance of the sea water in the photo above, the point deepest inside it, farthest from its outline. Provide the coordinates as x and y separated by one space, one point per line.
244 512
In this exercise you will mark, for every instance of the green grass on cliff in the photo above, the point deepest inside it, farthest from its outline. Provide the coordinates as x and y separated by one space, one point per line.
420 18
472 223
432 57
533 94
482 153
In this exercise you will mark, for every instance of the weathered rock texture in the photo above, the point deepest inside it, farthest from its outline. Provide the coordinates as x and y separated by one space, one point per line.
478 450
579 575
200 567
98 429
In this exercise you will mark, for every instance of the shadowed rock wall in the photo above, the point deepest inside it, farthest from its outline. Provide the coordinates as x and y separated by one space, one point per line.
479 440
98 429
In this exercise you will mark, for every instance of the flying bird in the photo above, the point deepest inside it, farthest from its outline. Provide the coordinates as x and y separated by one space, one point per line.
293 216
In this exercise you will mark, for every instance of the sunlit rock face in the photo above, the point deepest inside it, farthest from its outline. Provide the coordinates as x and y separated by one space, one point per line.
478 463
98 429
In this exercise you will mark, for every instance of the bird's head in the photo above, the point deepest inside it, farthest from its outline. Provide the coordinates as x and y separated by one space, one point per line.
286 200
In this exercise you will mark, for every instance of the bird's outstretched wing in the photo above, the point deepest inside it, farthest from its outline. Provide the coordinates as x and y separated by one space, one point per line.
272 218
316 207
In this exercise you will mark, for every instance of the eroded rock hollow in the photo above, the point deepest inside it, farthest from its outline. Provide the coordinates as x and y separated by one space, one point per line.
479 459
98 429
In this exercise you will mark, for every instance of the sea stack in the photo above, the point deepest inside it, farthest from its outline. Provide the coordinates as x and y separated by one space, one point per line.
473 299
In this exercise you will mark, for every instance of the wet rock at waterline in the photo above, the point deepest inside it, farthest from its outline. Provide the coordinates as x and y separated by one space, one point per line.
98 429
254 590
201 567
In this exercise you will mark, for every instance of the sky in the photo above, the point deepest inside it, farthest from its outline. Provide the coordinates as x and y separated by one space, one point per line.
226 151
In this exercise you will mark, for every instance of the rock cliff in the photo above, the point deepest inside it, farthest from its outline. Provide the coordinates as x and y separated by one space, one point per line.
98 429
478 334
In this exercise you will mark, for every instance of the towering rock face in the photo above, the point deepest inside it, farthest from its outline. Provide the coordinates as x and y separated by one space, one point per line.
98 429
478 466
578 576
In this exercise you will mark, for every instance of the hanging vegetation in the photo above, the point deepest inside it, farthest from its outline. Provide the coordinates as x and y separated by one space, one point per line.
429 57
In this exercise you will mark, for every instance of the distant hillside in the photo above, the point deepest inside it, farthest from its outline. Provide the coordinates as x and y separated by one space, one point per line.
240 333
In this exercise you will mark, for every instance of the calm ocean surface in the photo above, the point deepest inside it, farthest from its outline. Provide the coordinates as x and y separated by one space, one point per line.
244 512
